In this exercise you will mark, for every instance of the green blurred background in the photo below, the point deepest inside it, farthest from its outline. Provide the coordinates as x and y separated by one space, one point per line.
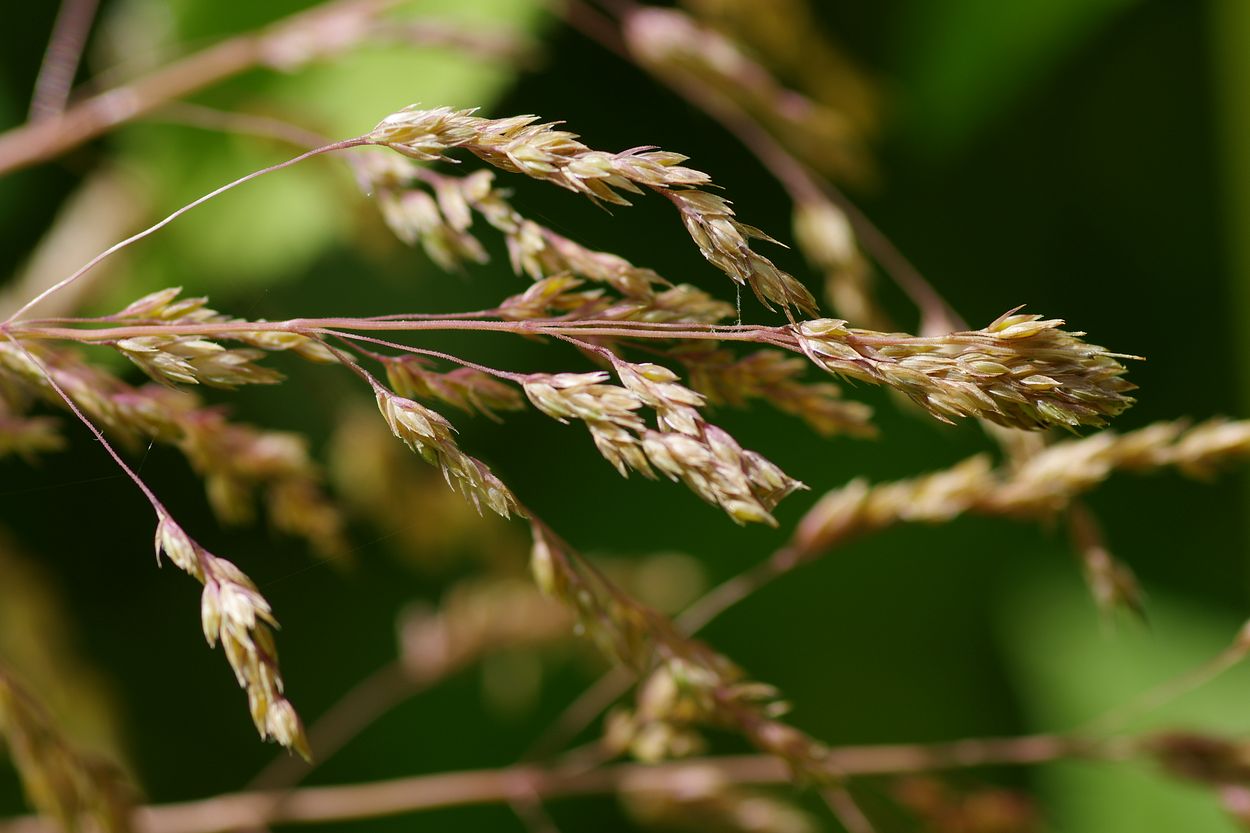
1090 158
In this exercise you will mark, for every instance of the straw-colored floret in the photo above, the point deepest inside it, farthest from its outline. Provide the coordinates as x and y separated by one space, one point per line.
683 445
1019 372
430 435
523 145
233 612
1040 487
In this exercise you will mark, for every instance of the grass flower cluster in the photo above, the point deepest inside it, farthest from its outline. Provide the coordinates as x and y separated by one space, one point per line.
651 360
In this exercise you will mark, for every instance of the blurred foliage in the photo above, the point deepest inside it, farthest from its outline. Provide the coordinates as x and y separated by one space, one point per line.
1055 153
967 62
1068 679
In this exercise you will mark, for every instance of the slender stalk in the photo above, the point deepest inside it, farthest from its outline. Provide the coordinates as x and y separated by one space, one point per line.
48 138
313 805
579 714
437 354
336 325
728 593
134 238
91 426
60 61
1166 692
847 810
615 682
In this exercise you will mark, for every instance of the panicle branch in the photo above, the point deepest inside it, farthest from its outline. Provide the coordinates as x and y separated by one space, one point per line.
686 683
232 609
234 613
521 145
430 435
685 447
173 359
1020 372
1041 487
772 377
235 460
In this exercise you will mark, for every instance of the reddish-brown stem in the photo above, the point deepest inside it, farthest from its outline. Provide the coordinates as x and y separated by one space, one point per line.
306 325
847 810
50 137
312 805
91 426
60 61
437 354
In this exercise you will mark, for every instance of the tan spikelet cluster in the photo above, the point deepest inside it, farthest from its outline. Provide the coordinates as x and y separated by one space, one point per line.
564 298
700 798
378 481
725 242
609 411
668 712
687 683
429 434
701 455
192 360
233 612
538 252
680 303
465 388
561 296
521 145
1042 486
236 460
685 448
533 248
675 46
1019 372
416 217
188 360
60 781
560 267
775 378
165 307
